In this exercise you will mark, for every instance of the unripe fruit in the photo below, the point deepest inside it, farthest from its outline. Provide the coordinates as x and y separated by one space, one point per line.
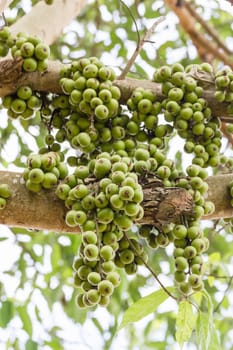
102 167
94 278
126 193
197 269
49 180
70 218
180 231
126 256
105 288
118 177
107 253
18 106
116 202
185 288
180 276
131 209
83 272
199 245
79 301
77 280
36 176
77 263
194 280
93 296
190 252
80 191
2 203
114 278
42 51
89 225
101 112
101 200
80 217
104 300
33 187
91 252
89 237
105 215
88 202
29 64
108 266
5 191
123 222
24 92
181 263
131 268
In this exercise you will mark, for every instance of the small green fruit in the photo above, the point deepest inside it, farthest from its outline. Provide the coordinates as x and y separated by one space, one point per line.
5 191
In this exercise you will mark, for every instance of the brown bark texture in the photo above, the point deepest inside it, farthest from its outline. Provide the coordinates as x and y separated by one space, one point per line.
12 77
44 211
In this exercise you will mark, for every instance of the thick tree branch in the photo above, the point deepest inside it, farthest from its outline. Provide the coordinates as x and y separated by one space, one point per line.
205 47
44 211
209 30
11 77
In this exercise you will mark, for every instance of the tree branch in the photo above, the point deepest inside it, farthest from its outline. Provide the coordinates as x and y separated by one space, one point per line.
47 22
12 77
210 30
139 47
204 46
44 211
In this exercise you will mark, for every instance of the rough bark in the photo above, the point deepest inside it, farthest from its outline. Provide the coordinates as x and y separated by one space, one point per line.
11 77
44 211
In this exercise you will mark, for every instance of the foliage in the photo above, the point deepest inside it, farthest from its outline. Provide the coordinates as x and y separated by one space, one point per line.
40 271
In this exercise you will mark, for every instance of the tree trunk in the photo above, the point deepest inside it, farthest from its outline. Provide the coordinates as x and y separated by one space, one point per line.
44 211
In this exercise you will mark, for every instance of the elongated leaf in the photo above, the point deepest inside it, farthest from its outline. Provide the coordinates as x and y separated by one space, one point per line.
144 306
6 313
207 338
3 239
185 322
31 345
203 330
27 324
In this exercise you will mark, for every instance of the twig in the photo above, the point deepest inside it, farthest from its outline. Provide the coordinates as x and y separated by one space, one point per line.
138 49
218 277
133 19
149 268
226 291
210 30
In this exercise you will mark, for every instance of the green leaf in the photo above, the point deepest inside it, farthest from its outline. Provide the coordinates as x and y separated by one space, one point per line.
185 322
144 306
31 345
203 330
27 323
207 338
56 255
6 313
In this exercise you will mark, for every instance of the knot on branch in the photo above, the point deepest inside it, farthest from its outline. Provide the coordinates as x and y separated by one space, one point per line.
165 205
10 71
